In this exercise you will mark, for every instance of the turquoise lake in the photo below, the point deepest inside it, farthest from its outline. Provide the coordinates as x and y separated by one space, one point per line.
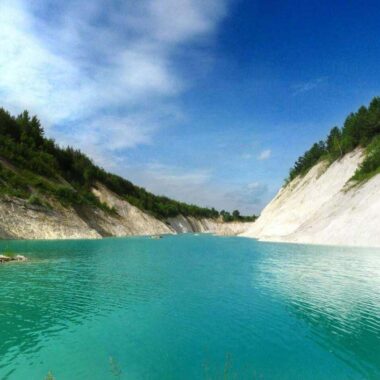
189 307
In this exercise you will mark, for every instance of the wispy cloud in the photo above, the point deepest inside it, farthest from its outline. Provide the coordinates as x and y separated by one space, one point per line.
198 186
104 76
172 176
310 85
251 197
264 155
177 182
103 71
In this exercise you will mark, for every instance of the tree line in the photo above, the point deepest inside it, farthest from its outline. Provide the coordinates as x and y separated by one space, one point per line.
361 128
69 175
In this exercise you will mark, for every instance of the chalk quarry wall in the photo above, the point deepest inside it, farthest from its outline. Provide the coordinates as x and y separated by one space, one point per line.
21 220
324 207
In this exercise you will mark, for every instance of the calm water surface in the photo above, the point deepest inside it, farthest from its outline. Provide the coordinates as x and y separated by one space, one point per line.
189 307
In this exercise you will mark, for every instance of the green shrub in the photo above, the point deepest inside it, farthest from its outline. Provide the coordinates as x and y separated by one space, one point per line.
371 164
9 253
35 200
361 128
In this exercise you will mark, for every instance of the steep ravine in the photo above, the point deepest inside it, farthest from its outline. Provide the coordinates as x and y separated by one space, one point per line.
323 207
21 220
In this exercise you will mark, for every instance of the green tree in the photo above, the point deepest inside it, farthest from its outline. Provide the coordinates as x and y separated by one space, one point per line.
334 143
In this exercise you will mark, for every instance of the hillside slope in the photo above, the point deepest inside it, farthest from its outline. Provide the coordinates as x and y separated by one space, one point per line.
323 207
51 192
19 219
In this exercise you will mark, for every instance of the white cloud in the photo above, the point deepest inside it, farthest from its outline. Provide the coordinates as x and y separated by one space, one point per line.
112 85
175 20
173 176
264 155
198 186
193 185
303 87
166 179
60 61
103 138
250 198
254 185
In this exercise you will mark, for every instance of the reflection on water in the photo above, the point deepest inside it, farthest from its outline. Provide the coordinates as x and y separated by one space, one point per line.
179 306
336 292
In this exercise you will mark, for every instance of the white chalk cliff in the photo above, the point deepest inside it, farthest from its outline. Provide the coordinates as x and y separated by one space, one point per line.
21 220
324 207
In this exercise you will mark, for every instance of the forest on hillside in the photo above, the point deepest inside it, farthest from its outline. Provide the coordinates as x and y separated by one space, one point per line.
361 128
34 167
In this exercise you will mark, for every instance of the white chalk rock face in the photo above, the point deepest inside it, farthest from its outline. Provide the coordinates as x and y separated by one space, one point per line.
190 224
323 208
180 224
20 220
129 219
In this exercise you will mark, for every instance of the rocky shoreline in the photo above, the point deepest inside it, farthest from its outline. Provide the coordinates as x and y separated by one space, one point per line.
16 258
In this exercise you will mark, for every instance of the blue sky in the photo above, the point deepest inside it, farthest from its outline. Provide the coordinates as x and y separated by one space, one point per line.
206 101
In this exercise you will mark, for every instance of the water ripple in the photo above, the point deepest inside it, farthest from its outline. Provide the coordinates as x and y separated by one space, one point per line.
172 307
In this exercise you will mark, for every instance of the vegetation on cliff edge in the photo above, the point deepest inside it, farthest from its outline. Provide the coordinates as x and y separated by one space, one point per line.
34 167
361 128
